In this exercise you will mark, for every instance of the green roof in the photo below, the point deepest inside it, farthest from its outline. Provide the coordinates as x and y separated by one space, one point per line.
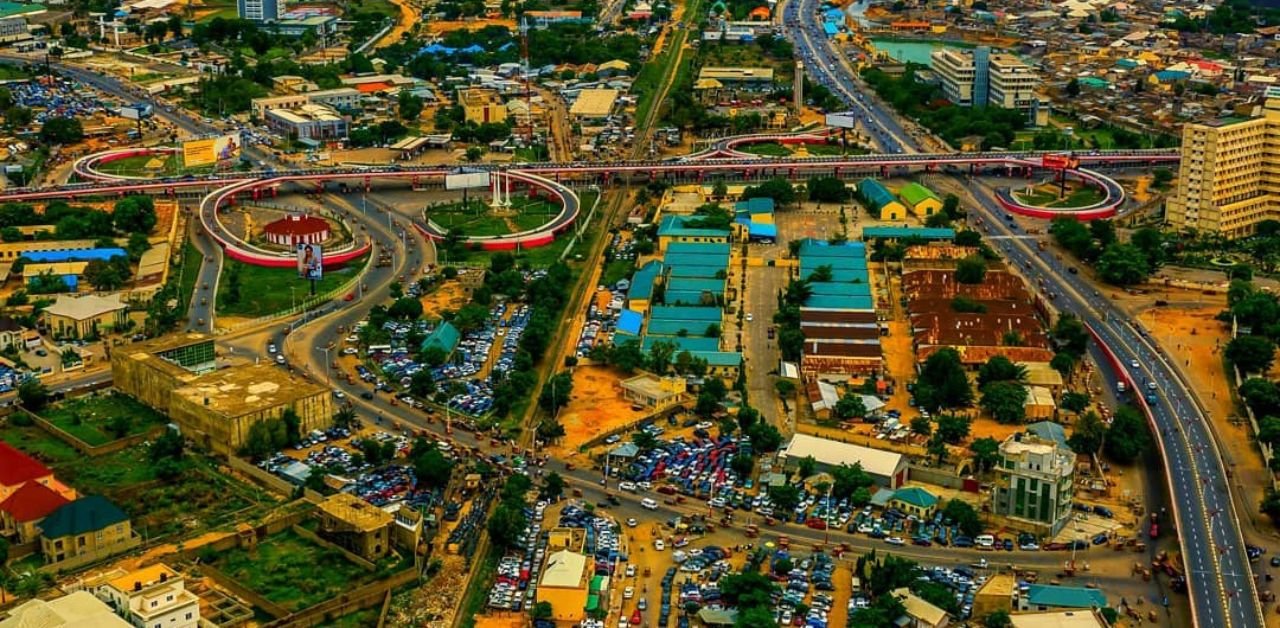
831 302
691 343
843 289
719 261
760 205
720 358
84 515
1065 597
673 328
677 313
698 248
916 497
914 193
897 233
695 271
674 226
696 285
11 9
642 281
446 336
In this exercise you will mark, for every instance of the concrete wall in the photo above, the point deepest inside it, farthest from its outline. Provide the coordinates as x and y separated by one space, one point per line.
226 435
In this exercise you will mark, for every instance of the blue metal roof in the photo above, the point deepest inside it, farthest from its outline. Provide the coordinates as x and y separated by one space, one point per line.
927 233
694 271
876 194
81 255
759 205
676 313
832 302
811 248
842 289
673 226
695 259
446 336
762 230
673 328
698 248
642 281
695 285
683 343
630 321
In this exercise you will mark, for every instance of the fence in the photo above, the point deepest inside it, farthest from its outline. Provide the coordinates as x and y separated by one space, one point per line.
269 481
93 451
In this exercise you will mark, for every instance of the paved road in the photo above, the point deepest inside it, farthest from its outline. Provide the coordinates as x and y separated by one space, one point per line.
1218 570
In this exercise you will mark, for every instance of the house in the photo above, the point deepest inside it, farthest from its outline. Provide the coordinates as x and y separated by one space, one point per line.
881 201
616 67
919 613
355 525
445 337
482 105
654 393
11 333
152 596
914 500
564 584
920 199
1058 619
996 594
78 610
84 316
22 512
85 530
1043 597
17 469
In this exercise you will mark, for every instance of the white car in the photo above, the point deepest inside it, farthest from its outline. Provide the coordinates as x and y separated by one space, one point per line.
1134 363
350 351
280 358
642 604
271 347
628 593
659 545
631 523
895 540
750 318
627 486
631 571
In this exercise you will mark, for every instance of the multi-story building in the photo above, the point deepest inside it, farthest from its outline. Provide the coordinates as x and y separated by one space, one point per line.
86 530
355 525
342 99
1229 176
978 77
1034 484
152 596
482 105
258 10
309 122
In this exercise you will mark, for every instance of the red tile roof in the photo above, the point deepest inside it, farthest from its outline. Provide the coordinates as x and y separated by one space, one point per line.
17 467
33 501
297 225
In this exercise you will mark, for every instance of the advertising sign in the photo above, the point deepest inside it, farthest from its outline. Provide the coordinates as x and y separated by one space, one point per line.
310 261
843 120
466 180
1060 162
214 150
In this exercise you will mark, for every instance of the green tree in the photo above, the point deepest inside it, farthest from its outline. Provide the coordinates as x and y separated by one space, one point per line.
971 270
409 105
506 525
33 394
806 466
552 486
850 406
779 189
942 382
644 440
952 428
846 480
1073 401
785 497
1252 354
1000 369
999 619
742 464
964 515
1006 401
345 418
66 130
1123 265
921 426
1128 437
1070 335
660 356
556 393
474 153
986 452
1088 435
786 388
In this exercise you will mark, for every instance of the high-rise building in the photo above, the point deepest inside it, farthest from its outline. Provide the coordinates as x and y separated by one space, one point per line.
978 77
1034 484
1229 176
259 10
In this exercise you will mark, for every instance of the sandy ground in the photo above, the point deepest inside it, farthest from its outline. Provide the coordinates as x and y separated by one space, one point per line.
408 17
451 295
595 408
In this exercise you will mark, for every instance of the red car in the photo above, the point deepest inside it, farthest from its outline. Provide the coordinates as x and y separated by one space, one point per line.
816 523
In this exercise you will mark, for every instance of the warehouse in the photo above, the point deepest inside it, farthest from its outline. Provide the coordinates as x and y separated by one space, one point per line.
593 105
881 201
886 468
842 335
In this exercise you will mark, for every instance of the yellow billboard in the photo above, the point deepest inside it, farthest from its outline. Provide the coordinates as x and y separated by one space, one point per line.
214 150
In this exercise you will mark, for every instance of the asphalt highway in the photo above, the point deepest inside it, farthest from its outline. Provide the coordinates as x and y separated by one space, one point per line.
1218 570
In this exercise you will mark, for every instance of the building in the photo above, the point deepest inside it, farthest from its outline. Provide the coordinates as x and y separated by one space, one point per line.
996 594
1229 176
887 468
919 613
314 122
654 393
592 106
543 19
564 584
12 333
914 500
753 79
22 512
978 77
177 375
86 530
152 596
881 201
342 99
1034 484
84 316
842 334
355 525
445 337
297 229
1058 619
480 105
1045 597
18 469
1039 403
323 26
920 200
675 229
78 610
258 10
13 29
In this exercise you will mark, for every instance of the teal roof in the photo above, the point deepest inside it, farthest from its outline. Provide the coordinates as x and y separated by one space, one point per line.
1065 597
844 289
829 302
916 497
720 358
677 313
11 9
691 343
84 515
1094 82
642 281
446 336
694 259
811 248
694 271
761 205
672 328
673 226
715 286
897 233
1050 431
698 248
689 297
852 275
876 194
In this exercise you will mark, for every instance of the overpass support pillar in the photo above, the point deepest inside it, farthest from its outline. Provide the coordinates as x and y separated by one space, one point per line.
368 185
884 171
320 187
257 194
930 167
972 168
700 176
791 173
652 175
836 172
274 191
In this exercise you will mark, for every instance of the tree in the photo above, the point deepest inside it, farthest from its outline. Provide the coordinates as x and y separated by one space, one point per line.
1006 401
971 270
542 611
786 388
847 480
104 275
742 464
1000 369
556 393
660 356
748 589
644 440
66 130
405 308
1070 335
1128 438
952 428
33 394
964 516
552 486
999 619
785 497
850 406
1073 90
345 418
1251 354
1063 363
986 452
1271 505
474 153
942 382
506 525
827 190
779 189
921 426
764 437
1073 401
410 106
806 466
169 445
1123 265
1088 435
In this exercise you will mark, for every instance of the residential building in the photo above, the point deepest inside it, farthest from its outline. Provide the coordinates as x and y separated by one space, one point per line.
1045 597
1229 176
1034 484
78 610
919 612
11 333
564 584
978 77
920 199
18 469
22 512
480 105
886 468
84 316
258 10
654 393
1057 619
914 500
355 525
996 594
881 201
592 106
86 530
152 597
309 122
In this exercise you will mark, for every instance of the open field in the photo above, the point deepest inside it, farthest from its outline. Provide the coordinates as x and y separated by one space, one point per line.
1047 196
476 219
265 291
90 418
137 166
37 442
596 407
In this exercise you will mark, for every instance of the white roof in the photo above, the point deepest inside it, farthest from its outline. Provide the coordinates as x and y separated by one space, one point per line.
564 570
78 610
85 307
919 609
1058 619
833 453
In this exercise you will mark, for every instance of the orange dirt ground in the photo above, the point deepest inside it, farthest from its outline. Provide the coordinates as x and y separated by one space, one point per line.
451 295
504 620
441 27
596 407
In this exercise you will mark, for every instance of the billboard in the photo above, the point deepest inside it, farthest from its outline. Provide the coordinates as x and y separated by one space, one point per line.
136 112
1060 162
464 180
310 261
210 151
843 120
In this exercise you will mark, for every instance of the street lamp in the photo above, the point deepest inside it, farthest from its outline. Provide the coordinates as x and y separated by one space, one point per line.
328 380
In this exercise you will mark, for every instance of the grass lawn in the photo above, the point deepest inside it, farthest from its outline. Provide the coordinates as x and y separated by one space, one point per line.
767 149
136 166
38 443
89 417
616 270
476 219
543 256
188 274
293 571
265 291
833 149
1080 197
375 6
199 498
109 473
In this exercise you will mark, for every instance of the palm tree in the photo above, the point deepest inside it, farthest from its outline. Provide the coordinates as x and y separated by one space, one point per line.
345 417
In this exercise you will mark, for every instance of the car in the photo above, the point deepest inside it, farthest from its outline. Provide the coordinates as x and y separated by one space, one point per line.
631 523
271 347
642 604
366 395
659 545
1275 561
1134 363
1151 385
895 540
631 571
750 318
280 359
628 593
627 486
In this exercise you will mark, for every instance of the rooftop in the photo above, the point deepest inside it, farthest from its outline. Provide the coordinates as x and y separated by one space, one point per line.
1059 619
834 453
919 609
17 467
355 512
916 496
564 570
246 389
87 514
1065 597
85 307
736 74
594 103
898 233
78 610
31 502
297 224
143 577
